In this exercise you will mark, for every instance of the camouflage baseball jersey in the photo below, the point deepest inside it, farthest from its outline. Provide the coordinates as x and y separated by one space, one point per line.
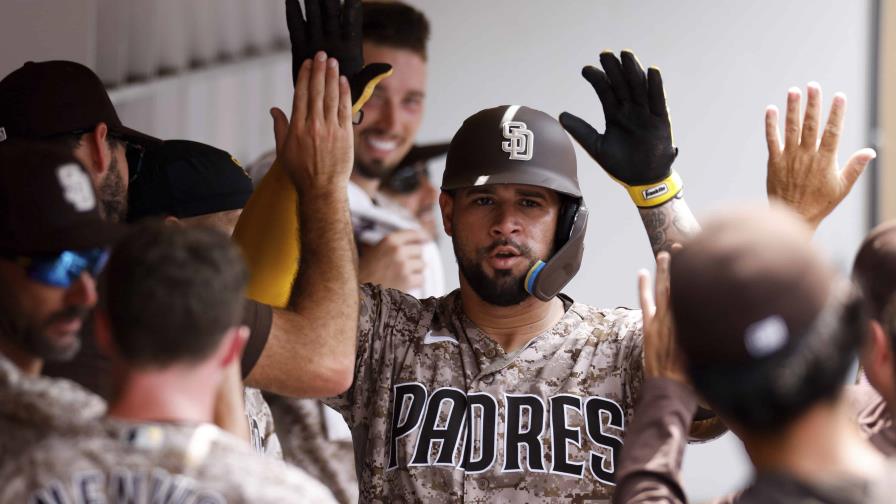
316 445
873 415
117 461
262 435
33 407
441 413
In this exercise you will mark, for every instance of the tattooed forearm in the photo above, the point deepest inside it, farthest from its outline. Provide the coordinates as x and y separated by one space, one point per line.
669 223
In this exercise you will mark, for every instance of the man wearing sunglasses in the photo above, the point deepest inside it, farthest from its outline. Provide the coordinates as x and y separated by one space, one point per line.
53 244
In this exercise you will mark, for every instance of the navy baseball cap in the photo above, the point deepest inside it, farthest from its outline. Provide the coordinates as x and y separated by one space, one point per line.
181 178
47 202
44 99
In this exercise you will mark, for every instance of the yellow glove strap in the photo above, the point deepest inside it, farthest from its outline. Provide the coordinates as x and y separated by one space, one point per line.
368 90
268 233
651 195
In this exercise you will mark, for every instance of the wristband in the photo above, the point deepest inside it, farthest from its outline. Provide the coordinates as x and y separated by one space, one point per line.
655 194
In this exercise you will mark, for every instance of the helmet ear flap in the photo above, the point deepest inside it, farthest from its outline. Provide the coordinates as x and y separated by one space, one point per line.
546 279
569 207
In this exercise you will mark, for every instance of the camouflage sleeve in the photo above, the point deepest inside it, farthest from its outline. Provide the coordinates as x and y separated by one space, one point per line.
384 315
634 358
654 444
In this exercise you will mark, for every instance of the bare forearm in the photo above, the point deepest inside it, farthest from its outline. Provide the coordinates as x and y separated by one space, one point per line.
320 328
668 224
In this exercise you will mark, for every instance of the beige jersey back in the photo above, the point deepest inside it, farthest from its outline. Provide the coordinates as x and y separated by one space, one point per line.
127 462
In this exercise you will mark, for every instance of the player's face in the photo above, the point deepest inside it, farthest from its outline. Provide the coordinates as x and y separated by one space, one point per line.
500 231
41 319
393 114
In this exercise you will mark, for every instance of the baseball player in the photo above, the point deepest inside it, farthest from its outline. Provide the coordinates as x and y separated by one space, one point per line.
193 184
804 175
171 317
53 244
65 103
875 394
508 390
767 332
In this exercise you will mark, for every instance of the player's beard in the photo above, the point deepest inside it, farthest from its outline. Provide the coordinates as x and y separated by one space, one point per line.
376 169
506 288
113 194
31 336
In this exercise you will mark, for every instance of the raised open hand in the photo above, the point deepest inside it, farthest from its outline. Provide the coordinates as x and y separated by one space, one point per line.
315 144
636 149
805 174
662 357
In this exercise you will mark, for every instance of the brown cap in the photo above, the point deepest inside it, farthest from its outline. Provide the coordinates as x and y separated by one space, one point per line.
512 144
748 270
766 325
47 202
48 98
874 269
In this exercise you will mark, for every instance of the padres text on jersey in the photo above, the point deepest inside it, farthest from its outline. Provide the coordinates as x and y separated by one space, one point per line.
440 412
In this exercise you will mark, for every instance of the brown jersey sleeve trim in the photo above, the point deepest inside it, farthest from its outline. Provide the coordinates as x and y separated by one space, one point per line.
258 317
654 444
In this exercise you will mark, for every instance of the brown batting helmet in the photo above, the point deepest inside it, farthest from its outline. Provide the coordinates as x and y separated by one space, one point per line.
513 144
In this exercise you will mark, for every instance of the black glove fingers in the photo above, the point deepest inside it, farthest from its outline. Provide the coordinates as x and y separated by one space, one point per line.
314 23
601 85
352 22
331 10
656 95
584 133
295 22
613 69
634 75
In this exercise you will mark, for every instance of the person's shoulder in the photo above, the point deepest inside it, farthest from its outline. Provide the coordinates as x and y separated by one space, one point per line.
619 322
263 478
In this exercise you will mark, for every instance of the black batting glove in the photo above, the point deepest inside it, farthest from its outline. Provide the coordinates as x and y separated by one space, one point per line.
636 149
336 30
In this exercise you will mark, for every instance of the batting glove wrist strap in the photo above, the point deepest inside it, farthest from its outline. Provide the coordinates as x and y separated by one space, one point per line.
655 194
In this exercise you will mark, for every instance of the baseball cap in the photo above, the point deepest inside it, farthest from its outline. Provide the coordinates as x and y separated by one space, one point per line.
766 324
182 178
43 99
405 178
47 202
874 269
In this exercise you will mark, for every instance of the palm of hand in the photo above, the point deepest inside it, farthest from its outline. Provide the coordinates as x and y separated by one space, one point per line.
636 146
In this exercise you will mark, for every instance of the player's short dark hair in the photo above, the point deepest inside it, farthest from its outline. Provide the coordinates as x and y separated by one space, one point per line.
171 292
396 24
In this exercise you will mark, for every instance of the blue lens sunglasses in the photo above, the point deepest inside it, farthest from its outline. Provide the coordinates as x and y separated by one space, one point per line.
64 269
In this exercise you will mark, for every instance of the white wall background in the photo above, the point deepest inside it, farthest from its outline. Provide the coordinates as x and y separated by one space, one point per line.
722 63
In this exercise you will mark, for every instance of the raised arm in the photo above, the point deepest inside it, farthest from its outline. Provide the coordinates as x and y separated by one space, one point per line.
636 149
804 174
311 350
311 328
